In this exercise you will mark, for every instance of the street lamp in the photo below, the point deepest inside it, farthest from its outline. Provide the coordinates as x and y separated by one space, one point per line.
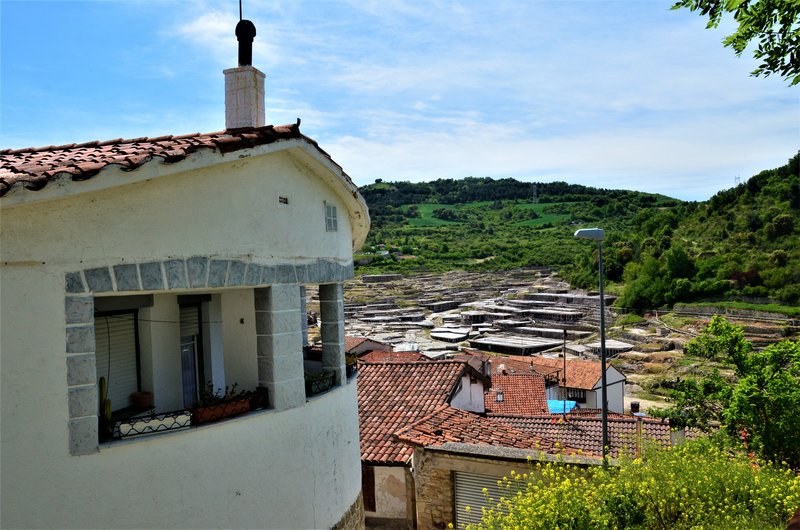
597 234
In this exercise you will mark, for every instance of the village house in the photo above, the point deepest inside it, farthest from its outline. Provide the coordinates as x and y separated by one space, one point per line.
358 346
582 381
518 393
135 274
459 457
392 396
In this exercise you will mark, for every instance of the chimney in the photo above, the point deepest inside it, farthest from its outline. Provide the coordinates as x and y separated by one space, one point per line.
244 85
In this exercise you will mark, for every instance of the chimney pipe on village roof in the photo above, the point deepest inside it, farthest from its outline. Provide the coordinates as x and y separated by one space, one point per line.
244 85
245 33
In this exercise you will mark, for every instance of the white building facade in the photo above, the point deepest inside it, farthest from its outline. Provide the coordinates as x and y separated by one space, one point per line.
163 274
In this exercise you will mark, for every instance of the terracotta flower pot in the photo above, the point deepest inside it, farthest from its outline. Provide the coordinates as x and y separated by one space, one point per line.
217 412
142 400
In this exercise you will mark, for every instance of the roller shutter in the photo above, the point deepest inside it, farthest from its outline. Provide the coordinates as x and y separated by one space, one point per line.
469 492
190 321
191 364
115 347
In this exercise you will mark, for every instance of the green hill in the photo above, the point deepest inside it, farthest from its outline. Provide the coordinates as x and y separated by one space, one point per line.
743 242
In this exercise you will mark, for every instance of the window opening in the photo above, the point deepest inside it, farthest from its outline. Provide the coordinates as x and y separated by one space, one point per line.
331 221
576 394
192 370
117 356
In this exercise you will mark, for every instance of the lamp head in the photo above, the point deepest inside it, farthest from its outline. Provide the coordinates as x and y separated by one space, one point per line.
595 234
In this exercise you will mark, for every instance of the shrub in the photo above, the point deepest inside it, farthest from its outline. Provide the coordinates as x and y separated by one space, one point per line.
696 485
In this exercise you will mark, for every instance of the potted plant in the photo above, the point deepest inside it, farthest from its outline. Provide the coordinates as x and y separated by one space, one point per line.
214 405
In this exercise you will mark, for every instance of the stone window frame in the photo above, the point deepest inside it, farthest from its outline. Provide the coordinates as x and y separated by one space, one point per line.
196 272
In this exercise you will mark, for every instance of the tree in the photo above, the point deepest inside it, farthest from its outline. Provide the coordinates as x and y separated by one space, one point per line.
761 406
774 23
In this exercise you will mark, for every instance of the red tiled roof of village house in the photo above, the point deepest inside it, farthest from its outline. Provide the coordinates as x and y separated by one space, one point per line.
523 394
353 342
586 433
581 373
394 395
380 356
450 425
33 168
595 413
473 357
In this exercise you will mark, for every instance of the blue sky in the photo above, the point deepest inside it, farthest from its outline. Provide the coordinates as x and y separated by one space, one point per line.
610 94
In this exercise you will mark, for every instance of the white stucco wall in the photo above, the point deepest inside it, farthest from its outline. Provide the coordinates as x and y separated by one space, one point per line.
390 493
298 468
470 396
293 469
160 345
615 390
241 363
231 209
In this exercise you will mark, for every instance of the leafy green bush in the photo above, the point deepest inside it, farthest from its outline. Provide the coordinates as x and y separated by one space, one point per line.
696 485
762 404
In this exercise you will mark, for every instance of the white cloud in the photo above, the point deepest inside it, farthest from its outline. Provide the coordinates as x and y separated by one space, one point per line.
689 161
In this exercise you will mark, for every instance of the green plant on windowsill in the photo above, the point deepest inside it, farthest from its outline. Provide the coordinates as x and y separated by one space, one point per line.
209 396
213 405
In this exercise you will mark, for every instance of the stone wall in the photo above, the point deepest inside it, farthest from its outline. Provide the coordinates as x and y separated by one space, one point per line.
433 476
434 493
353 519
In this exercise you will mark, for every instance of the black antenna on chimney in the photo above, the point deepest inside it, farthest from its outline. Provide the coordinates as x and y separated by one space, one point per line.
245 32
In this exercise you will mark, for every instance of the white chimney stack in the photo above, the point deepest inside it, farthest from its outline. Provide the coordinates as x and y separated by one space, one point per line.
244 97
244 85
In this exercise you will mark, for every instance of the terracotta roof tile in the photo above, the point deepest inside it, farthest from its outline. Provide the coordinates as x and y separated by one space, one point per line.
581 373
380 356
353 342
448 425
624 434
394 395
523 395
34 167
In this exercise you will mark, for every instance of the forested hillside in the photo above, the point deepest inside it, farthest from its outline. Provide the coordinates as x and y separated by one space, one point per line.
743 242
658 251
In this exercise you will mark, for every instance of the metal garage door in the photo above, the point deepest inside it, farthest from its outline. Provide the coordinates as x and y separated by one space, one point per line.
115 347
469 492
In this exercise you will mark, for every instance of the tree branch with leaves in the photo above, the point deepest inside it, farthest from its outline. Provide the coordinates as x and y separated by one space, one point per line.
773 24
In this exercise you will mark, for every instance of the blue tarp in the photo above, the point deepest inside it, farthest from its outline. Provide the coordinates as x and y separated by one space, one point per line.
560 406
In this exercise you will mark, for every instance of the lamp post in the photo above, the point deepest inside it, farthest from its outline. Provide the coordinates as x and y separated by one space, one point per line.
597 234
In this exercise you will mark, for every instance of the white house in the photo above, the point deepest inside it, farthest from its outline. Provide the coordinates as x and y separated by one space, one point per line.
582 382
160 265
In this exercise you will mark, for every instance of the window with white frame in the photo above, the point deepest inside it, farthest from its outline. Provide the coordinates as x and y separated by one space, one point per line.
331 222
